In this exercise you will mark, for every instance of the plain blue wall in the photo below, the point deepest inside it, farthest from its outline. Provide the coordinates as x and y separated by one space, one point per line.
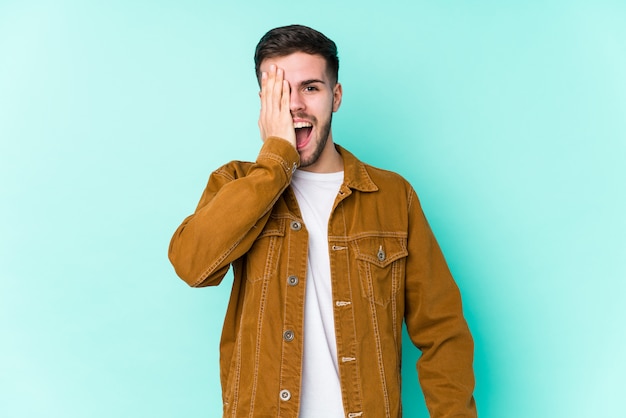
507 117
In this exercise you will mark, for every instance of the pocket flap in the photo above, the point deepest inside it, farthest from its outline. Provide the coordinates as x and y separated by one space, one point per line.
380 251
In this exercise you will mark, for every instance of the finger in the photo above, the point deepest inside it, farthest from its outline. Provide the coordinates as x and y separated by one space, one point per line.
271 83
263 110
263 83
284 101
263 92
278 90
262 96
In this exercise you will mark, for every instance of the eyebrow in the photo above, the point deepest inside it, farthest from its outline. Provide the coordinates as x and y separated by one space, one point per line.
312 81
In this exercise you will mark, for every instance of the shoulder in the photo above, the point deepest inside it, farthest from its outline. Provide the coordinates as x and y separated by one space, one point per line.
386 177
392 184
367 177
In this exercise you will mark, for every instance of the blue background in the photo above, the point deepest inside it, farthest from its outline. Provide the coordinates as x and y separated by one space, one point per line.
507 117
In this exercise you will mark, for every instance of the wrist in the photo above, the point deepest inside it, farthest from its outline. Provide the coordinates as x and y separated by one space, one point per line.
280 150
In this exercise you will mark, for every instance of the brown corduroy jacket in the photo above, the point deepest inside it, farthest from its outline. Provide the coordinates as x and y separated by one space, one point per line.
386 267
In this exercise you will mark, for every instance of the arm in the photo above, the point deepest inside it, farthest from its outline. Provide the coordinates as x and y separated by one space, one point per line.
237 201
231 214
435 323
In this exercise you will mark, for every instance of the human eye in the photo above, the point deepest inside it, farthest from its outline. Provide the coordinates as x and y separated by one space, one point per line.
311 88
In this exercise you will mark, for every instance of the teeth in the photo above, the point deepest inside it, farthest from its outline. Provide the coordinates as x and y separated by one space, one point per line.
298 125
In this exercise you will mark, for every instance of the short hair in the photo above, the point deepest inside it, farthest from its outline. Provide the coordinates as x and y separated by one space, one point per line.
285 40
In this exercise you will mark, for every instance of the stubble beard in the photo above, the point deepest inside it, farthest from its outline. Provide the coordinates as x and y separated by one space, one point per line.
317 152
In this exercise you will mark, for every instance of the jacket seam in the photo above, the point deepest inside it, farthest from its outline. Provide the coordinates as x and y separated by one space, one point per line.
381 366
368 234
268 263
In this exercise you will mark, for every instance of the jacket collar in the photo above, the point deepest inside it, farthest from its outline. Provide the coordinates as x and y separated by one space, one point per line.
355 172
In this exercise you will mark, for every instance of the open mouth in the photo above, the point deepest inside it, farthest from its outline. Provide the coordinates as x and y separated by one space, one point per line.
303 133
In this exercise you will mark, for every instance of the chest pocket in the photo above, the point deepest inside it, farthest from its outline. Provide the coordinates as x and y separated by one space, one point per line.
381 263
262 258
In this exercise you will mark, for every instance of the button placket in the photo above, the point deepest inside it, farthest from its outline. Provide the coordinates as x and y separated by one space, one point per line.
290 346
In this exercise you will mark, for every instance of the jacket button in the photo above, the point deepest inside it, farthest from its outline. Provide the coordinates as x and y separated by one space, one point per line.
296 226
285 395
288 335
381 254
292 281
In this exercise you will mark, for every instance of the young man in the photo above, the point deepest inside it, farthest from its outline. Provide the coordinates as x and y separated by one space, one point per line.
330 255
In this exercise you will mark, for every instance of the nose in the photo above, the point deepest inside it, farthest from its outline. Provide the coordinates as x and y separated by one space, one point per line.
296 104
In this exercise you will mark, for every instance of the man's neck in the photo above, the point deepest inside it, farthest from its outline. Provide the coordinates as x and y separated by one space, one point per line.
329 161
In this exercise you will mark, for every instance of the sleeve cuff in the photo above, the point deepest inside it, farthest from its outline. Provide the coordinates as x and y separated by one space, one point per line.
280 150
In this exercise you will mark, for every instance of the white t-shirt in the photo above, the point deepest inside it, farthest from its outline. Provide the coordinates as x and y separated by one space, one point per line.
321 390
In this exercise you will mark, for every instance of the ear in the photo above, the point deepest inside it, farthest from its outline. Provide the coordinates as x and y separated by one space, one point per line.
337 94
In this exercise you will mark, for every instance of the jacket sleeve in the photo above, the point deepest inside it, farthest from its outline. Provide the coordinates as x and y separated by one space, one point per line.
231 214
436 325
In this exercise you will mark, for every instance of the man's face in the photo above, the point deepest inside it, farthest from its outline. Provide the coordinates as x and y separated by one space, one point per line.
313 99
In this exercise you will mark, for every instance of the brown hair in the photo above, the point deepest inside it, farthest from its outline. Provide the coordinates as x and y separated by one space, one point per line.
286 40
